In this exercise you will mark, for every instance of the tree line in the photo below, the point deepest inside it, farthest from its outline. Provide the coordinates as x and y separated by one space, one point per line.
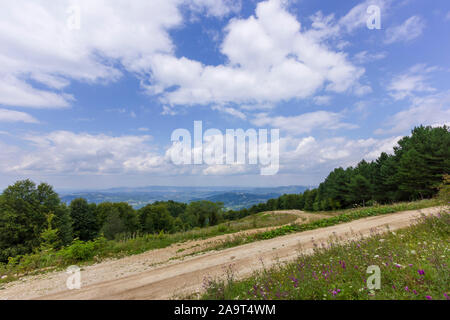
33 216
414 171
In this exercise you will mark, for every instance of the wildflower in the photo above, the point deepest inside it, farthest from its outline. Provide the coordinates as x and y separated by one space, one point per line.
410 265
421 272
295 280
376 256
415 292
406 288
413 251
429 298
446 296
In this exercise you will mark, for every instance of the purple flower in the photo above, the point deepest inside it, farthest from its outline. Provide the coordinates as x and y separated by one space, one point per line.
415 292
406 288
446 296
421 272
295 280
429 298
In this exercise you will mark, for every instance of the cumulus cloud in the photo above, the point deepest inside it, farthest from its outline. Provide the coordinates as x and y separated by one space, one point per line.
322 100
38 43
430 109
364 56
407 31
270 59
231 111
309 154
357 17
409 83
72 153
16 116
303 123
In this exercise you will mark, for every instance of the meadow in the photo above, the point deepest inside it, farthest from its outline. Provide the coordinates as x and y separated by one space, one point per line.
413 262
88 252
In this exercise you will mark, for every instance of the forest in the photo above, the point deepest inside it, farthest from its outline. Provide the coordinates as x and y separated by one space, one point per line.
33 216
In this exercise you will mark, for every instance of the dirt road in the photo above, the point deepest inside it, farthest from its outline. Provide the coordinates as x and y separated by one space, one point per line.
174 278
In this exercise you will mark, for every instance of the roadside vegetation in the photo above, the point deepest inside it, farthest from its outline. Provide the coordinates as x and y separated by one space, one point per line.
339 217
47 258
38 231
414 265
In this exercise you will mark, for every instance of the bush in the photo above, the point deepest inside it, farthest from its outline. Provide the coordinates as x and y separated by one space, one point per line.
79 251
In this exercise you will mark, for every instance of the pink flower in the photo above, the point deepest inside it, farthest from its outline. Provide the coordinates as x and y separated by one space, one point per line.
429 298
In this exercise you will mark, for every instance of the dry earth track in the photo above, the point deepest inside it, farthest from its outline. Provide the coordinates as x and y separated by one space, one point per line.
152 276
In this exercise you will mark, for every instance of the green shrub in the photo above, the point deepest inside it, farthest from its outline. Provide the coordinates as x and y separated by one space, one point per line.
79 251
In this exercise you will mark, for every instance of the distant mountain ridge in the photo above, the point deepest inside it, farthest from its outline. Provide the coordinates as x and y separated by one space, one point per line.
232 197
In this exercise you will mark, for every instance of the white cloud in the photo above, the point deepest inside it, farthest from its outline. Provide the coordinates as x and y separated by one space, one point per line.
365 56
16 116
16 92
310 154
413 81
37 43
357 17
214 7
303 123
67 152
231 111
427 110
322 100
269 60
407 31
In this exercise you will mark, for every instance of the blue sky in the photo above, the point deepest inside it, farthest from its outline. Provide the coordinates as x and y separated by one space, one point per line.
90 91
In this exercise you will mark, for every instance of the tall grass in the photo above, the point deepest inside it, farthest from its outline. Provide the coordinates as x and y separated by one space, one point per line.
80 252
339 217
95 251
414 264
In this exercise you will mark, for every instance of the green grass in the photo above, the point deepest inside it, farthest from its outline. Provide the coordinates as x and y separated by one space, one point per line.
414 264
81 253
95 251
338 217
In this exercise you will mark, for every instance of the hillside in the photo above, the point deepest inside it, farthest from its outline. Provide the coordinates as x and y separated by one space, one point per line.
232 197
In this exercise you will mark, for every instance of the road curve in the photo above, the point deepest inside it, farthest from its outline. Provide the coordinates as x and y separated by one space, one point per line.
187 276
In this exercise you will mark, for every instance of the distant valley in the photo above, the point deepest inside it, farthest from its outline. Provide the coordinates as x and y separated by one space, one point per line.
233 197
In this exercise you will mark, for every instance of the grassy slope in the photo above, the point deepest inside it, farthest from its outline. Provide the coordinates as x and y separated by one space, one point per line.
96 251
414 264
